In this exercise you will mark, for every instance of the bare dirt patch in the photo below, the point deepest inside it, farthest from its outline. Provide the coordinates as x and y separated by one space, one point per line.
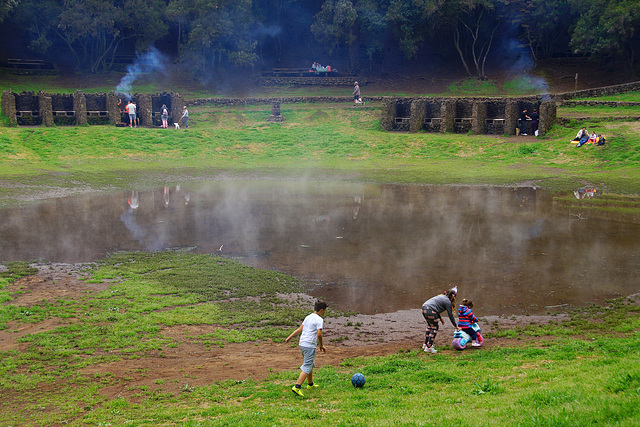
190 363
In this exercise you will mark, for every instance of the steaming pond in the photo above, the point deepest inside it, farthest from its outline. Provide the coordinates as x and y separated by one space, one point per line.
369 248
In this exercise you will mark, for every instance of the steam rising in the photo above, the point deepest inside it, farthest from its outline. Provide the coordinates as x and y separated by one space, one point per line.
368 247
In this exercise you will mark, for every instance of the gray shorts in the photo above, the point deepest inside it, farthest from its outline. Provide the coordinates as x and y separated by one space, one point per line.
309 355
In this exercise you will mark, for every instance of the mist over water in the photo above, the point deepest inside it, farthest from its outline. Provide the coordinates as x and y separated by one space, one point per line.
369 248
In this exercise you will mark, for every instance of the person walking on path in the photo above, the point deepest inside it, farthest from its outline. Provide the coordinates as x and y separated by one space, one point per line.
310 339
431 310
356 94
185 116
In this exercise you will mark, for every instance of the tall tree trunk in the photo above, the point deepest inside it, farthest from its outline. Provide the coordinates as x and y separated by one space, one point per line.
456 42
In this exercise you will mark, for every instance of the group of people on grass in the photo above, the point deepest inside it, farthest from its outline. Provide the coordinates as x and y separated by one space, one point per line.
316 67
311 331
133 119
584 137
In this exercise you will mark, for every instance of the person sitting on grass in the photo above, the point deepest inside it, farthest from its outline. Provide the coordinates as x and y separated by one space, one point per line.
310 339
582 137
600 140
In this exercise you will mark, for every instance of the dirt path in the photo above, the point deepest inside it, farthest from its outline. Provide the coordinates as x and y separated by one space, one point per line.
190 364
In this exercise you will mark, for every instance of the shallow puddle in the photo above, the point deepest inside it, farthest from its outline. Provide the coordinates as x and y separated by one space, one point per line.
368 248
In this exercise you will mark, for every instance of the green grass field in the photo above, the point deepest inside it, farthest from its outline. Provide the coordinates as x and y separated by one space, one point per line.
584 371
315 140
578 372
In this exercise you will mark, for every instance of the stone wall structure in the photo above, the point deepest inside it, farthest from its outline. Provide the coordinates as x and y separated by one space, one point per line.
80 108
430 114
548 113
511 115
309 81
113 110
600 91
497 116
479 118
9 106
448 116
145 109
45 109
418 115
387 114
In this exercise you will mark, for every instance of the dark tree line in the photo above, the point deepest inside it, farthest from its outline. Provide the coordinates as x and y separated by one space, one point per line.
358 34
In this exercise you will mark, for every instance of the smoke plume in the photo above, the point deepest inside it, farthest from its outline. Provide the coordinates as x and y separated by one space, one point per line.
148 62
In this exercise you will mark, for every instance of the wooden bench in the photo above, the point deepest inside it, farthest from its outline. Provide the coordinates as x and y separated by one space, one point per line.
291 72
298 72
31 64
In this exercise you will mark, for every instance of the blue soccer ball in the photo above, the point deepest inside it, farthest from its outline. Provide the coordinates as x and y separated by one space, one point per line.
357 380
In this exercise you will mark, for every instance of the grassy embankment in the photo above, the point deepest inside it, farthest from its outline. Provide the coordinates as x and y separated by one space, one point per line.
333 140
582 372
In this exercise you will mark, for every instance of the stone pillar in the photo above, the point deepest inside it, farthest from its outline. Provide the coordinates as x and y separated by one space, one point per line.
511 115
145 109
276 115
9 107
388 114
479 118
113 111
448 116
80 107
45 106
175 109
548 111
417 115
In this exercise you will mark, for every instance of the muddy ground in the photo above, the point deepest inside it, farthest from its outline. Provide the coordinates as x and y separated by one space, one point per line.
190 364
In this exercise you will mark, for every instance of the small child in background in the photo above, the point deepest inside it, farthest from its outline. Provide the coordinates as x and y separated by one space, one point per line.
466 318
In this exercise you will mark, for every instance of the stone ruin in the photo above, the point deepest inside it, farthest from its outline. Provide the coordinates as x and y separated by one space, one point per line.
276 115
494 116
30 108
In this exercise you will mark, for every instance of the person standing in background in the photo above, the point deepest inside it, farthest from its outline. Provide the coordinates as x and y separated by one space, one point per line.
185 116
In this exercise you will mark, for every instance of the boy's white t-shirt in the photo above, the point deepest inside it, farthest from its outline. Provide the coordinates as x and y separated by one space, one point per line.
310 326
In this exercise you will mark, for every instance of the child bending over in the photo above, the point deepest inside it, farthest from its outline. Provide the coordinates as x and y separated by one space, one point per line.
466 318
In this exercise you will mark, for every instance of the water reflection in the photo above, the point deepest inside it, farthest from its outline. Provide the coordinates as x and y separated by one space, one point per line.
370 248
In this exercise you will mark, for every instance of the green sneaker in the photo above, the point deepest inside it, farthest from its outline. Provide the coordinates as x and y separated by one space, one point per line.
312 386
297 391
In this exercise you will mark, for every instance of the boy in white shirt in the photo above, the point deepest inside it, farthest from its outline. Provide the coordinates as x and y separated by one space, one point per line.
310 340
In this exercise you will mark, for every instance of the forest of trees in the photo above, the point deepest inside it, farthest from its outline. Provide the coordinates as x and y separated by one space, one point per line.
359 35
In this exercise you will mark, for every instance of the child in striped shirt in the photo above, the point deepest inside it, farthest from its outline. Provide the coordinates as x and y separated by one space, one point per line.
466 318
